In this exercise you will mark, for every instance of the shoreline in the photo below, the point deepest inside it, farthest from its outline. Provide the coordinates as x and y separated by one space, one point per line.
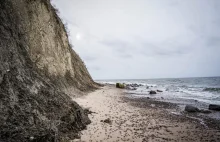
138 119
174 109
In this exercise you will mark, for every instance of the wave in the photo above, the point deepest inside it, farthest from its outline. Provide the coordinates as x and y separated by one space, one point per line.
212 89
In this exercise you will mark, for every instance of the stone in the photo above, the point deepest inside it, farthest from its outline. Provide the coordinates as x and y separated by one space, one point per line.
214 107
108 120
212 89
152 105
119 85
190 108
130 88
31 138
133 88
205 111
153 92
159 91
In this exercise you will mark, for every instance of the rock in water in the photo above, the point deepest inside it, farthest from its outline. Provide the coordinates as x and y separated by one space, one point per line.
38 70
214 107
159 91
212 89
189 108
153 92
204 111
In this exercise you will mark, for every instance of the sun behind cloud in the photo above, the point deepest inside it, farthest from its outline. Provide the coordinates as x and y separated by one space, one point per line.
78 36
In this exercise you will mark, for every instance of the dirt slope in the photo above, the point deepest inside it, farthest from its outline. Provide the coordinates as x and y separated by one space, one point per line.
38 72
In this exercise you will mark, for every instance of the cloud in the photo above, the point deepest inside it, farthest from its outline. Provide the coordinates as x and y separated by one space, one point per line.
163 49
89 58
117 44
213 42
129 56
145 39
94 68
126 49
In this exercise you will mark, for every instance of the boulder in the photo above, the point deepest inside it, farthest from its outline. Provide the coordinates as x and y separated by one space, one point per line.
214 107
133 88
153 92
130 88
205 111
134 85
159 91
189 108
119 85
212 89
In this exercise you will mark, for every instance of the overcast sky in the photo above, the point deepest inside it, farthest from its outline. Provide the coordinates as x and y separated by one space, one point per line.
138 39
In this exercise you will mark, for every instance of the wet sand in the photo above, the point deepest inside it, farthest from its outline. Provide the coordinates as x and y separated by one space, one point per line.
138 120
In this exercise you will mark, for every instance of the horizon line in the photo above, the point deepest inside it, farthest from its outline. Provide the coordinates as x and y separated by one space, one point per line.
160 78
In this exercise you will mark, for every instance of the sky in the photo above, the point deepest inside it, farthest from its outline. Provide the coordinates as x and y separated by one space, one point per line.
141 39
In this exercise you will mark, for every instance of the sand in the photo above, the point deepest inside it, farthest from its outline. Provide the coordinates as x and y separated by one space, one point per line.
137 121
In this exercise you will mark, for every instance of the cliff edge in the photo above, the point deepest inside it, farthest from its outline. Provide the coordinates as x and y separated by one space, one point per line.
39 73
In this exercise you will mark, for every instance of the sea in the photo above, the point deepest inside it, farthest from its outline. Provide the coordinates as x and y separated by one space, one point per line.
198 91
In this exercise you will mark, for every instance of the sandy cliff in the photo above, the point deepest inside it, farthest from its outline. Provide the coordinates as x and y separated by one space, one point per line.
38 69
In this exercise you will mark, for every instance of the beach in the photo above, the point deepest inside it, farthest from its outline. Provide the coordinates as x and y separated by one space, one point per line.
117 117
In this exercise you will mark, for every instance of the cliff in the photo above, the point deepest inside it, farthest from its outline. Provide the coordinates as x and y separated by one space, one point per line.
39 73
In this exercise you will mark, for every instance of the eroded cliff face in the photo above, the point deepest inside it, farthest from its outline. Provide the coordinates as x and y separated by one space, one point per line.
38 69
49 48
48 45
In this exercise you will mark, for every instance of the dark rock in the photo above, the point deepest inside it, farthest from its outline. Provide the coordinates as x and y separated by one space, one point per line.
147 87
130 88
108 120
153 92
212 89
120 85
205 111
127 87
189 108
159 91
214 107
133 88
135 85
